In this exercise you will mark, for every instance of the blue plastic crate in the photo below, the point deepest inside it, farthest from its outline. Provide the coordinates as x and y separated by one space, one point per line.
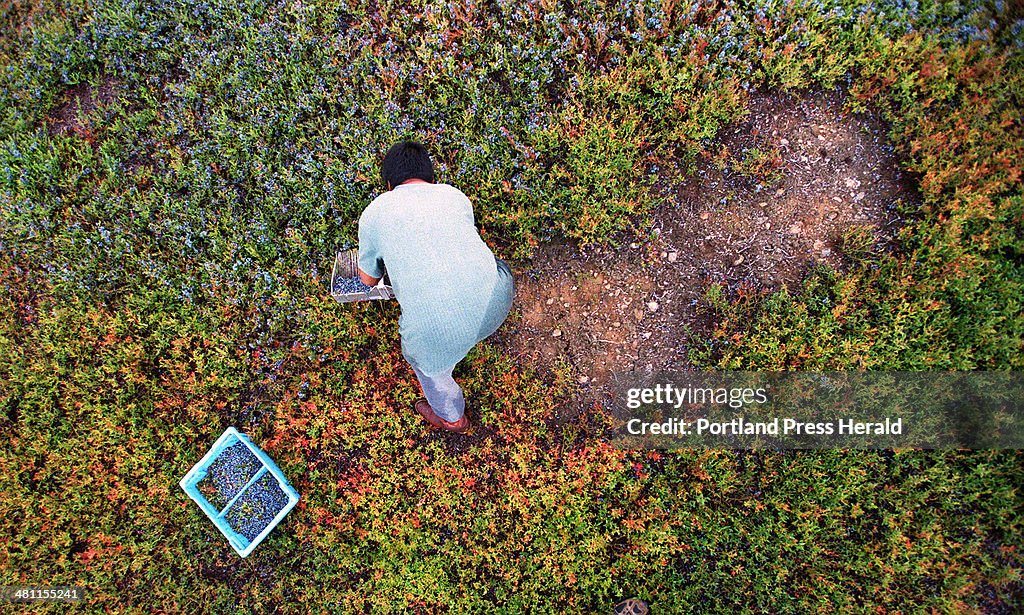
218 513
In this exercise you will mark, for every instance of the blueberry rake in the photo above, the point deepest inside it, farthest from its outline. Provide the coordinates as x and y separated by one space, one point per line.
346 286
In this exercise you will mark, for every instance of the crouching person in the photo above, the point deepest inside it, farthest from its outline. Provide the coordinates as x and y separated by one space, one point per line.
452 290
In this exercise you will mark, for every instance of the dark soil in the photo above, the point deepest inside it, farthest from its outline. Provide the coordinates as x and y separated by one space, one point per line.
773 196
79 102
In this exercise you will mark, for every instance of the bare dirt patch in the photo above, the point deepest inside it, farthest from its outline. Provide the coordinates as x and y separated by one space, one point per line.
77 103
777 193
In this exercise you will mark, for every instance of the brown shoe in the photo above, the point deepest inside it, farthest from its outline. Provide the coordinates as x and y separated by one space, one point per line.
459 426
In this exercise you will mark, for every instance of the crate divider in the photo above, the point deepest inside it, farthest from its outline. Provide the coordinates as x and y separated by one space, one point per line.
259 473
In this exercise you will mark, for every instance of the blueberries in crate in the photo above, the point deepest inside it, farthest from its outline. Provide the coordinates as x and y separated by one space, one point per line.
228 473
256 508
344 286
240 489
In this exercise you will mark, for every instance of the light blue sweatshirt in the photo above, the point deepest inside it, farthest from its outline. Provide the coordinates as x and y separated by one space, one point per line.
445 278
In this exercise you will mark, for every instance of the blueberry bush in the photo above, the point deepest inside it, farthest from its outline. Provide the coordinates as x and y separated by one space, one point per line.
175 178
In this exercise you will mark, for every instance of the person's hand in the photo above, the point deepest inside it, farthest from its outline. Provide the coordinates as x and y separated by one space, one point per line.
367 279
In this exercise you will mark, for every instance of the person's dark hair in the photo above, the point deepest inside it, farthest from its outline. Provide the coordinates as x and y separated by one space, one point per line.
406 160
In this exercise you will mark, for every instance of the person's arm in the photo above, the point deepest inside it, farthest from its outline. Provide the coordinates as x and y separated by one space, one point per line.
371 263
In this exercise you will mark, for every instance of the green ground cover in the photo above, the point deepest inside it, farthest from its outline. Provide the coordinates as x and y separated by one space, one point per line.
164 254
